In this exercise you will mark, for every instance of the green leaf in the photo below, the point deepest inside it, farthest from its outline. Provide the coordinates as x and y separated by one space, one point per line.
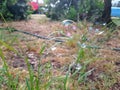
7 46
42 49
81 54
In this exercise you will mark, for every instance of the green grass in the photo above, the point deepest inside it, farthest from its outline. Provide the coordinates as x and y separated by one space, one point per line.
117 21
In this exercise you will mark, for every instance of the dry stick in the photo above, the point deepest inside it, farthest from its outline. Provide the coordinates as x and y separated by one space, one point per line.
97 47
35 35
56 40
116 49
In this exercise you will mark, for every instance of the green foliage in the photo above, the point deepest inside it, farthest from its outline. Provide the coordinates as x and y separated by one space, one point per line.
74 10
81 54
8 79
56 10
10 10
95 10
4 11
72 14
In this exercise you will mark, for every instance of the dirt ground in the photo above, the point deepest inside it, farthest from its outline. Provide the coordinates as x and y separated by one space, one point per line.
61 54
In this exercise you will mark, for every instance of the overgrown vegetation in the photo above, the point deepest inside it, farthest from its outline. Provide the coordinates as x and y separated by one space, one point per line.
84 61
85 71
14 9
4 11
75 10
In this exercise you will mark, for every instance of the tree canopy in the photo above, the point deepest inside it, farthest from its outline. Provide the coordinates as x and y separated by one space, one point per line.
74 9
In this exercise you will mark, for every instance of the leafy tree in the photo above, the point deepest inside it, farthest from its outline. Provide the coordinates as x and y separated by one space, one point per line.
57 8
73 9
106 14
105 18
72 14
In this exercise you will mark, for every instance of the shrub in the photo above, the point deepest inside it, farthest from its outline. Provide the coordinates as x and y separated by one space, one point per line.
74 10
14 9
72 14
4 11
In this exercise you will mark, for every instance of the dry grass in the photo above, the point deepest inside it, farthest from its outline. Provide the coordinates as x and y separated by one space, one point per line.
57 57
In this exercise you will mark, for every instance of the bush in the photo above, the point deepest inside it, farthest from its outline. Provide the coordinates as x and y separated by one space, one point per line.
14 9
88 9
4 11
72 14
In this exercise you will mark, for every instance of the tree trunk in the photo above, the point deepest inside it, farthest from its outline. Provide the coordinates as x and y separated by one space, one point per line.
106 16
